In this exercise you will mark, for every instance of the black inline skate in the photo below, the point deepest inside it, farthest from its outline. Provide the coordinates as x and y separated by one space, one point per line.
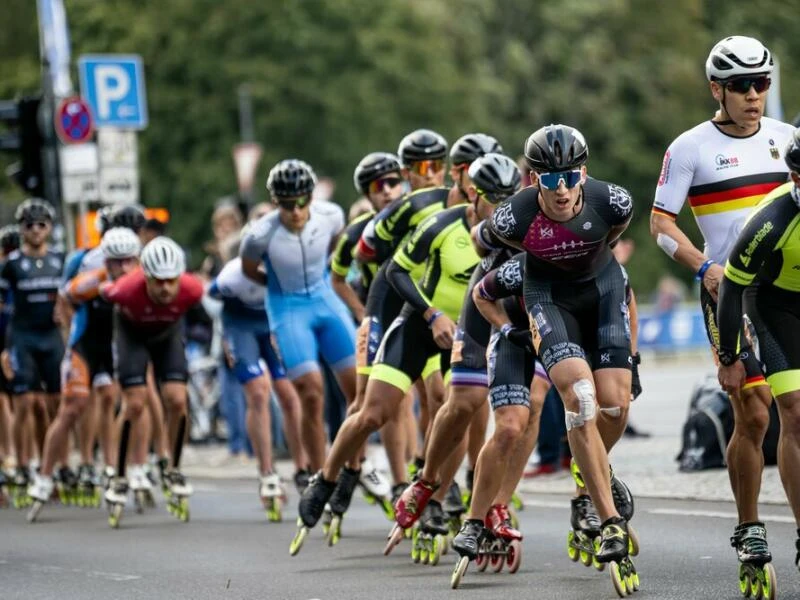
311 506
583 541
429 535
756 573
338 504
467 544
613 551
89 489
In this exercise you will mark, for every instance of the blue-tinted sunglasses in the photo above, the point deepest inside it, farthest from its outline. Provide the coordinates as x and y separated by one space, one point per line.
551 181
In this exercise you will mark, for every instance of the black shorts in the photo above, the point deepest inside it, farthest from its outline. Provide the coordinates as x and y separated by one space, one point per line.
752 365
468 358
510 371
406 349
775 314
132 353
99 359
36 360
382 307
581 319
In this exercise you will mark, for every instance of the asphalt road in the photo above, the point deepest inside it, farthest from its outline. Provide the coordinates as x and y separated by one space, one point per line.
228 550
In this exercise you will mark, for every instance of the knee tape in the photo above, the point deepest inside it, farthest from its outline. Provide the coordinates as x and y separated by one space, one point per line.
584 391
613 411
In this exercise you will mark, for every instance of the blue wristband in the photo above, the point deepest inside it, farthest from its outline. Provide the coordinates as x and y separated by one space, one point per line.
505 329
702 270
434 316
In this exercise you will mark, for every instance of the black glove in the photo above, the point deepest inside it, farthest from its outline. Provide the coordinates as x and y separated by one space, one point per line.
636 384
521 338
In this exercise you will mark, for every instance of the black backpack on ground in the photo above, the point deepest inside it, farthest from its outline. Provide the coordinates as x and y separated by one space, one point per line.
709 428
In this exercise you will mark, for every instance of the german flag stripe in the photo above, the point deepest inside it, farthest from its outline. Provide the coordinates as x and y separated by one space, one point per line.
661 211
738 182
747 191
726 206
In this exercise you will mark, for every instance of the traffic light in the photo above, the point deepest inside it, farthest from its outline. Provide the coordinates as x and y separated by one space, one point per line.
21 117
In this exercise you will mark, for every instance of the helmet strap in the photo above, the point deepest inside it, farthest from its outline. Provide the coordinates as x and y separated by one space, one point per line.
727 121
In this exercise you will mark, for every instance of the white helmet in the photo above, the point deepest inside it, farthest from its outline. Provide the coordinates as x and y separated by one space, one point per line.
120 242
162 258
738 55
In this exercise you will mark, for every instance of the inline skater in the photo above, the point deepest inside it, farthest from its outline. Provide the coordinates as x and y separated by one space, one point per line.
246 343
88 354
379 176
759 281
31 275
147 328
424 329
287 250
9 241
724 167
574 289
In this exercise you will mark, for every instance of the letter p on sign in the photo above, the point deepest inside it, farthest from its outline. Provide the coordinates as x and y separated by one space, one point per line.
113 85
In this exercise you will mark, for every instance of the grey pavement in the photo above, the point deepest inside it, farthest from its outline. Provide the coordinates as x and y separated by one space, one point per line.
647 464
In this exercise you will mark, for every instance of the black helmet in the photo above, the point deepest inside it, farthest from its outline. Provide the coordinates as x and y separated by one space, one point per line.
9 238
374 166
34 209
130 216
422 144
102 219
556 148
496 176
290 178
471 146
792 154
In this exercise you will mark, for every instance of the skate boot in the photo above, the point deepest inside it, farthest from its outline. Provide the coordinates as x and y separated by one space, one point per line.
506 542
468 544
311 507
116 496
20 482
429 537
163 467
412 502
107 477
376 488
67 486
613 551
273 496
623 502
301 478
142 488
583 541
339 502
453 509
756 573
415 468
39 492
3 487
797 547
89 493
178 492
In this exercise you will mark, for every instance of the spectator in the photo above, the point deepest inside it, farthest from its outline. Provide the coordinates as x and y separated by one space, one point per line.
225 221
152 228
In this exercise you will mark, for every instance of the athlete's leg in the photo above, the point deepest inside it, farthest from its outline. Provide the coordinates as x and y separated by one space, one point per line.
789 448
88 430
257 394
310 390
159 432
289 402
614 397
476 434
745 457
106 396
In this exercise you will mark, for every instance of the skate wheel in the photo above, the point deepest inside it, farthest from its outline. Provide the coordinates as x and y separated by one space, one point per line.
586 558
34 511
633 542
369 498
459 571
618 579
299 538
115 515
394 537
437 549
572 551
596 563
745 580
481 562
138 500
388 509
514 556
768 583
183 510
496 560
334 530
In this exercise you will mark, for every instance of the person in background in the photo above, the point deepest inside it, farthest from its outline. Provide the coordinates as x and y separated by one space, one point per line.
225 221
151 229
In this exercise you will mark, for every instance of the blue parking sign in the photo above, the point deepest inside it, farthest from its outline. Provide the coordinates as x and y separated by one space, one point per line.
113 85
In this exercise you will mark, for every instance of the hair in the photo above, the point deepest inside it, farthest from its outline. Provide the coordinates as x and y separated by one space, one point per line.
254 212
156 226
227 210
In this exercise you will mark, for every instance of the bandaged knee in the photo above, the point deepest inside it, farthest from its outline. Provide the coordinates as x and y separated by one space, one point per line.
584 393
612 411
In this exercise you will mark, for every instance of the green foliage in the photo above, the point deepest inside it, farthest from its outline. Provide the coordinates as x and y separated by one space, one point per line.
334 79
